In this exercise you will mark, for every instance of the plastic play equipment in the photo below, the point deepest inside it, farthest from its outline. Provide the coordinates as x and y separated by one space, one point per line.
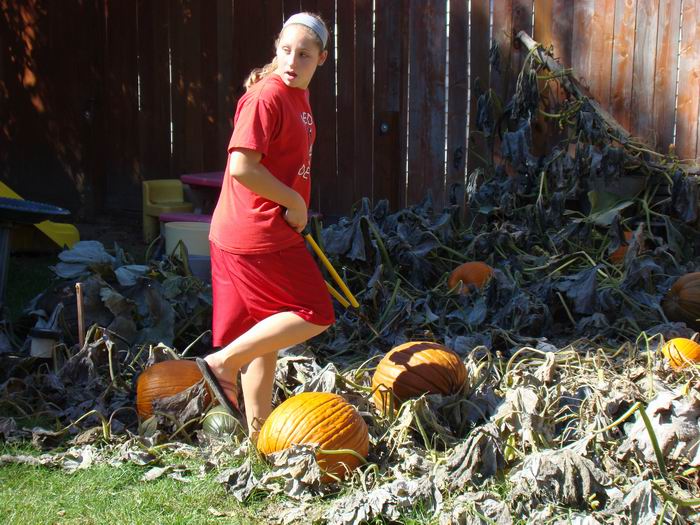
63 234
19 211
161 196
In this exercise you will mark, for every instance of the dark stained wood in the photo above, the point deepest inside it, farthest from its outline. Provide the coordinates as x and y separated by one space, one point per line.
562 34
623 62
210 83
226 92
688 113
479 80
553 29
522 21
154 111
426 102
322 91
458 99
584 11
501 78
666 72
643 73
363 122
345 177
389 170
256 26
122 165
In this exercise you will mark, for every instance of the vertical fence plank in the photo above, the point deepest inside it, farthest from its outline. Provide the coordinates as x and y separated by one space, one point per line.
226 94
122 160
363 95
522 21
154 113
322 90
666 72
592 56
345 177
501 77
255 28
389 103
688 112
426 141
562 30
210 85
186 45
479 79
623 62
643 73
458 97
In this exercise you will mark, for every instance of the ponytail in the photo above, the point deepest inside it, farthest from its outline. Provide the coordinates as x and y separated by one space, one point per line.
259 73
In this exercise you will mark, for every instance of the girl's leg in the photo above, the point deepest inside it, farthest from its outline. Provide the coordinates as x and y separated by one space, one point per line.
257 380
266 337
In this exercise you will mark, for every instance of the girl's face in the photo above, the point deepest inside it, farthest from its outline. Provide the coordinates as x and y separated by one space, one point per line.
298 56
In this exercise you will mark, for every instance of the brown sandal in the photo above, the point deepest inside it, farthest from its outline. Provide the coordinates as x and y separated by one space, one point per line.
218 388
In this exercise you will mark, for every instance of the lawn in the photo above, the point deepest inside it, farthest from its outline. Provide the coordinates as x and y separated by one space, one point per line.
109 494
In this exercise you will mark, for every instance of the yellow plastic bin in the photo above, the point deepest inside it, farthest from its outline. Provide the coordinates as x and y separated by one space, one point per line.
195 236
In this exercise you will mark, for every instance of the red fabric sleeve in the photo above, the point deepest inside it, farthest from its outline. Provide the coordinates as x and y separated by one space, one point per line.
256 126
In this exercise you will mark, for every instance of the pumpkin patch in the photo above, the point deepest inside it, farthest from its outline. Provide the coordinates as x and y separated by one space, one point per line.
682 302
322 419
474 273
413 369
681 352
164 379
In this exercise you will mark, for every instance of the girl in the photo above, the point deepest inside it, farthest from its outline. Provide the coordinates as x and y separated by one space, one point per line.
268 292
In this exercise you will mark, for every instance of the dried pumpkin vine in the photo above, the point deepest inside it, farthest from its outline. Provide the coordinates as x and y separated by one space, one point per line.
566 410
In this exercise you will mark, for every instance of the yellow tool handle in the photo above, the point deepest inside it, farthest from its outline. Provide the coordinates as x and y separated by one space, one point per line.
335 293
332 271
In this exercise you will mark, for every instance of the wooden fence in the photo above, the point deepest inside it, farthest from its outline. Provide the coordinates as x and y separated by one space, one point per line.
97 95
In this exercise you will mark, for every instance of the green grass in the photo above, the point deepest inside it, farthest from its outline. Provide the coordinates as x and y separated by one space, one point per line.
109 494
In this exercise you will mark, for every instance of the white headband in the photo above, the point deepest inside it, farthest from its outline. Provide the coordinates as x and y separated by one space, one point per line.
312 23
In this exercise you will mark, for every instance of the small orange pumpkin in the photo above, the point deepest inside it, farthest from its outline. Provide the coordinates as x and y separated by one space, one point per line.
618 255
164 379
682 302
416 368
476 273
681 351
318 418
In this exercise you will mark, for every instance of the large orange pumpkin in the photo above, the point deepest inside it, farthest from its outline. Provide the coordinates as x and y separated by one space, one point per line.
164 379
681 352
476 273
682 302
322 419
416 368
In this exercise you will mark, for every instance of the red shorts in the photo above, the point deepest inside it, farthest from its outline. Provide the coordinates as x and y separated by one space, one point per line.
247 288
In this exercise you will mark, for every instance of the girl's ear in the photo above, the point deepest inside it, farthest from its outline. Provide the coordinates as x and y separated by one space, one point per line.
322 58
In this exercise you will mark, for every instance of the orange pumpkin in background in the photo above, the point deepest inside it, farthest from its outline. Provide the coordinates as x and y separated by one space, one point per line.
413 369
618 255
164 379
682 302
681 352
476 273
318 418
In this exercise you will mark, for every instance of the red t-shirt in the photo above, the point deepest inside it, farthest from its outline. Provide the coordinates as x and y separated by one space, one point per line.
275 120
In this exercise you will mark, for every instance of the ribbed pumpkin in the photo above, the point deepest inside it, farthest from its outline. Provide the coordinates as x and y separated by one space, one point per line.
164 379
320 418
681 351
682 302
476 273
416 368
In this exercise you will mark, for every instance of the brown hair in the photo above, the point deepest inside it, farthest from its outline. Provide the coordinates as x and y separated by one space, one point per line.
257 74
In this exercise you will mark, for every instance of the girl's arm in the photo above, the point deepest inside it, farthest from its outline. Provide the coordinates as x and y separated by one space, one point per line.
245 166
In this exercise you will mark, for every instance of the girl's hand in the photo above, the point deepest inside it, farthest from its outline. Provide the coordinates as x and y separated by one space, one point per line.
297 218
